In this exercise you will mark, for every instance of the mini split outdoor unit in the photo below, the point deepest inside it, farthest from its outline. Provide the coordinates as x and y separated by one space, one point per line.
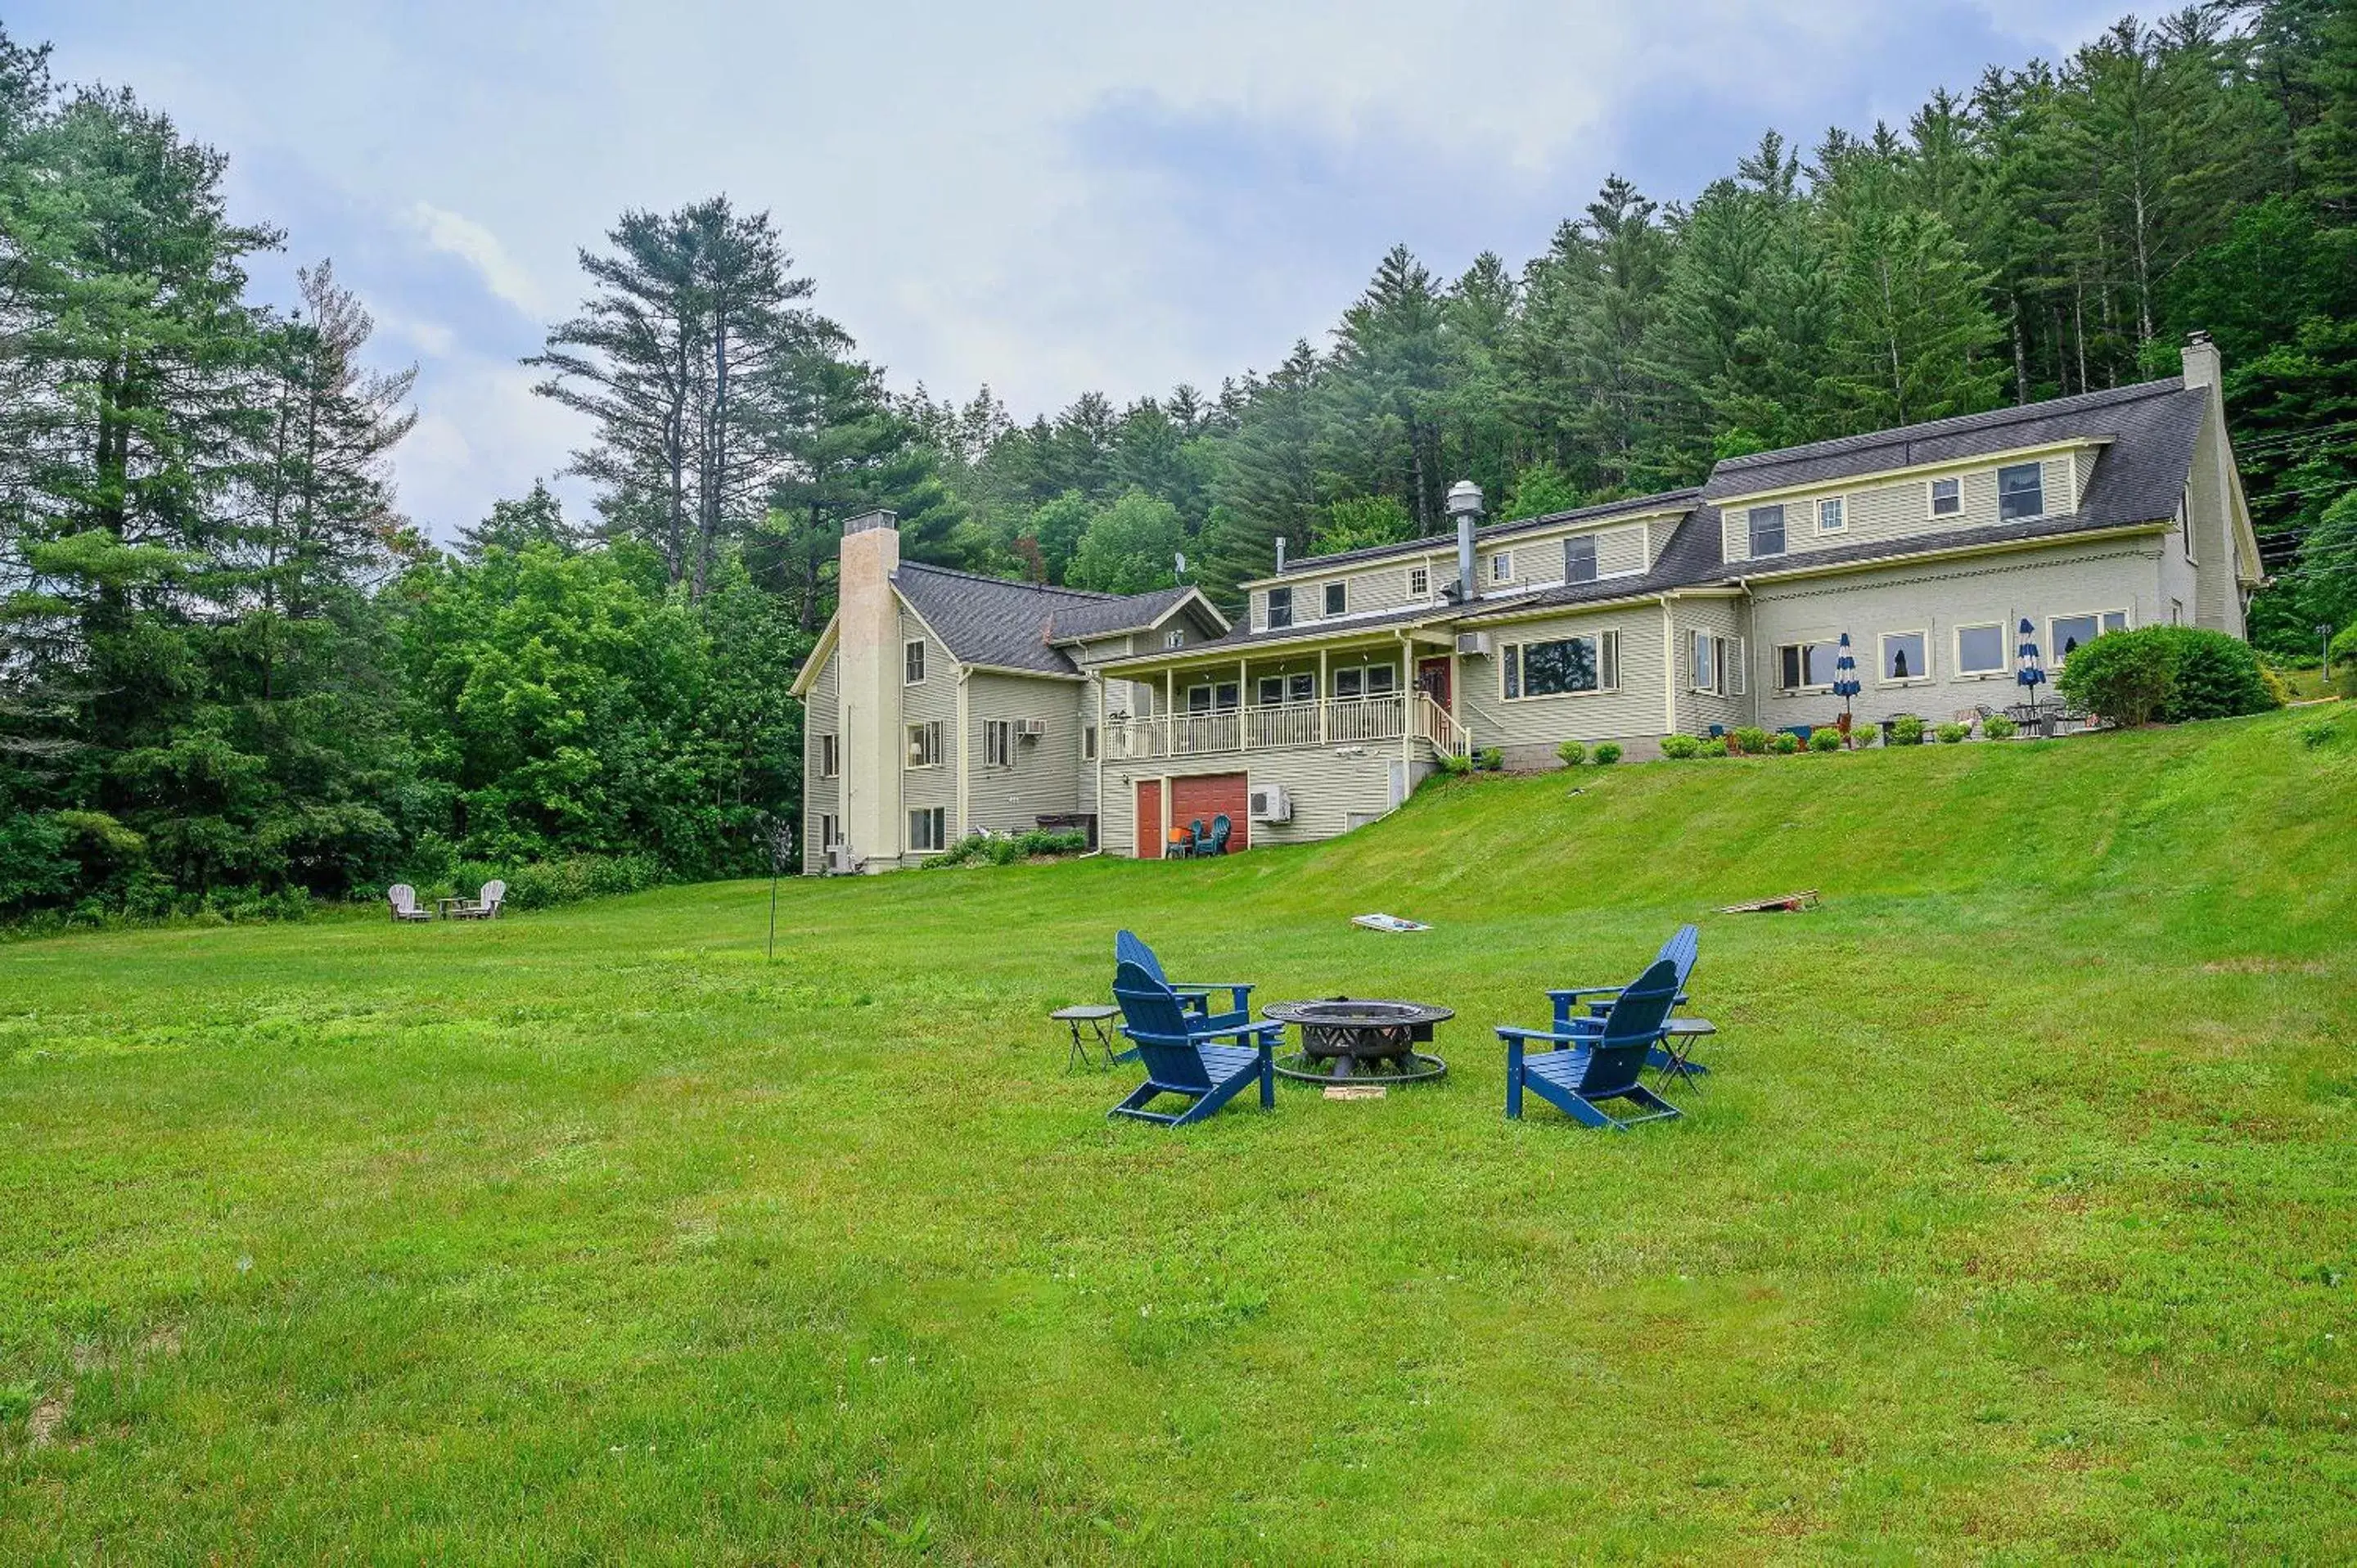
1270 803
1471 644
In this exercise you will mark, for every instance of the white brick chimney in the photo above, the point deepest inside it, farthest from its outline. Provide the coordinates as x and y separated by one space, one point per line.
867 686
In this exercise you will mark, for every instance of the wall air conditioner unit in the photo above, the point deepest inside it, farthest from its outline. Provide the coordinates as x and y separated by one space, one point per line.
1473 644
1270 803
1030 729
838 858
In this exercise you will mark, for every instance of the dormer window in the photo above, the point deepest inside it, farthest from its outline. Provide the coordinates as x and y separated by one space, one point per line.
1579 558
1280 609
1502 567
1947 497
1767 530
1831 518
1337 597
1175 638
1419 583
2020 491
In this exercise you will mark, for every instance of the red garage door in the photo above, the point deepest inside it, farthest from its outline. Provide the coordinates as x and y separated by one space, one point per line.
1205 796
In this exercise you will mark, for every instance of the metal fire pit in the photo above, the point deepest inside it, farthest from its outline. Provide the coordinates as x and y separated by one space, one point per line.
1344 1039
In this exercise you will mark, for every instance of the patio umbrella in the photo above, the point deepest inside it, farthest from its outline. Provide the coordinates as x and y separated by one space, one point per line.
1844 679
2030 673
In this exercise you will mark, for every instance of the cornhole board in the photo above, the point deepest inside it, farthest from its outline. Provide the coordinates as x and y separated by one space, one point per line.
1783 903
1388 923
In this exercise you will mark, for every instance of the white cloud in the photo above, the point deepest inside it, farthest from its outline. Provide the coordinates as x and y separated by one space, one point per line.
454 234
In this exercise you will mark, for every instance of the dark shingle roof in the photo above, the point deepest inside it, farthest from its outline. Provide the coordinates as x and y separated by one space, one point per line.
1691 559
1000 621
1443 544
2133 415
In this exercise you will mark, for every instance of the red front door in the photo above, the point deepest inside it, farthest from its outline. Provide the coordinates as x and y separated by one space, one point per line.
1149 818
1432 680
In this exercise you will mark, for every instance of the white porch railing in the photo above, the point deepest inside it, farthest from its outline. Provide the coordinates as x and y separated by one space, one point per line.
1331 721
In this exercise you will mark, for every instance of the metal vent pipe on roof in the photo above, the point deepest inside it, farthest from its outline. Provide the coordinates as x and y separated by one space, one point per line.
1465 506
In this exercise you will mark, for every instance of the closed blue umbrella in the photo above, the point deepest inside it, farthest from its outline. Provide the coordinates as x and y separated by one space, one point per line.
1845 679
2028 670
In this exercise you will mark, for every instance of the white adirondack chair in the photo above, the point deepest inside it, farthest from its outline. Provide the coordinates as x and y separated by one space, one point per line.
403 900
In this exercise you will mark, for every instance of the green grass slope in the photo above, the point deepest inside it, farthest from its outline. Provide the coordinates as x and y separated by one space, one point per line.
2016 1224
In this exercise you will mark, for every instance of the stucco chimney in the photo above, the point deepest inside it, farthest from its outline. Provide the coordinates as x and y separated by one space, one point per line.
867 687
1465 506
2203 366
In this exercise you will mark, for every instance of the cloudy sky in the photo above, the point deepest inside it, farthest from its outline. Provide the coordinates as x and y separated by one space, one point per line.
1046 197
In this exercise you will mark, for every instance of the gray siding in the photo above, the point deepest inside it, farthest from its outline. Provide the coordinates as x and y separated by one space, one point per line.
821 797
2000 590
1876 510
1529 728
1044 776
1328 789
1724 617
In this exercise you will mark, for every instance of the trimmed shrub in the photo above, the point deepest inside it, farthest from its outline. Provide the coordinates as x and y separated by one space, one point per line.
1996 726
2171 674
1005 849
1454 766
1907 730
1825 739
1607 753
1490 759
1572 752
1949 733
1714 748
1750 740
1680 748
1784 743
1862 735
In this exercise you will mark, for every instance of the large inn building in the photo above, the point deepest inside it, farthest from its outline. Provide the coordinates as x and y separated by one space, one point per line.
940 703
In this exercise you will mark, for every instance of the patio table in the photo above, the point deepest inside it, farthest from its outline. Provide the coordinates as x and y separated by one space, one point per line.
1095 1015
1676 1049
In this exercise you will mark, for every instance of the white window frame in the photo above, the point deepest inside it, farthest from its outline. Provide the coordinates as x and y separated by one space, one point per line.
1304 679
1419 582
829 755
1326 599
1261 685
1212 689
2054 656
929 823
2043 511
1088 743
830 831
1608 665
922 741
1502 567
2176 612
1932 496
2004 660
999 743
1357 676
1269 609
1175 638
1832 645
1840 523
1752 531
912 658
1719 647
1882 660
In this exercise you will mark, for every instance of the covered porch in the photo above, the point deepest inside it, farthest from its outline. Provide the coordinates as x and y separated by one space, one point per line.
1393 688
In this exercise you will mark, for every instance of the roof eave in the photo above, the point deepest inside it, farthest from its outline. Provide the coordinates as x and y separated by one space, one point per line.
1952 552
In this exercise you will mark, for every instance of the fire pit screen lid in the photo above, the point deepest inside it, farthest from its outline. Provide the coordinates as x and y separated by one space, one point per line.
1353 1013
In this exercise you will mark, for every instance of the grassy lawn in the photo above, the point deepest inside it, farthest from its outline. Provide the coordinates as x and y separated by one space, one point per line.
2017 1221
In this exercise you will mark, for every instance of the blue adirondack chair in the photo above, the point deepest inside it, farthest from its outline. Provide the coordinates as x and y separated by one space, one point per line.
1221 828
1581 1070
1127 948
1681 951
1179 1061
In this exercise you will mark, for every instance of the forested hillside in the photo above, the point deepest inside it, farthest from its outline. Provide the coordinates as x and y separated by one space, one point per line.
232 672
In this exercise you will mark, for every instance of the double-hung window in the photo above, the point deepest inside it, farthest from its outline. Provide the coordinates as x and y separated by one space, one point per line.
829 832
1563 666
1710 663
1579 558
912 662
1220 698
999 743
1272 691
1767 531
1088 743
1980 650
1366 680
1906 656
1805 666
2069 631
830 757
928 829
1280 608
1338 598
1947 497
2020 491
925 744
1831 517
1502 567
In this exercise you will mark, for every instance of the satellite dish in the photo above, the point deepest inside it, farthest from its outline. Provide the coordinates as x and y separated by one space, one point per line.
1182 563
